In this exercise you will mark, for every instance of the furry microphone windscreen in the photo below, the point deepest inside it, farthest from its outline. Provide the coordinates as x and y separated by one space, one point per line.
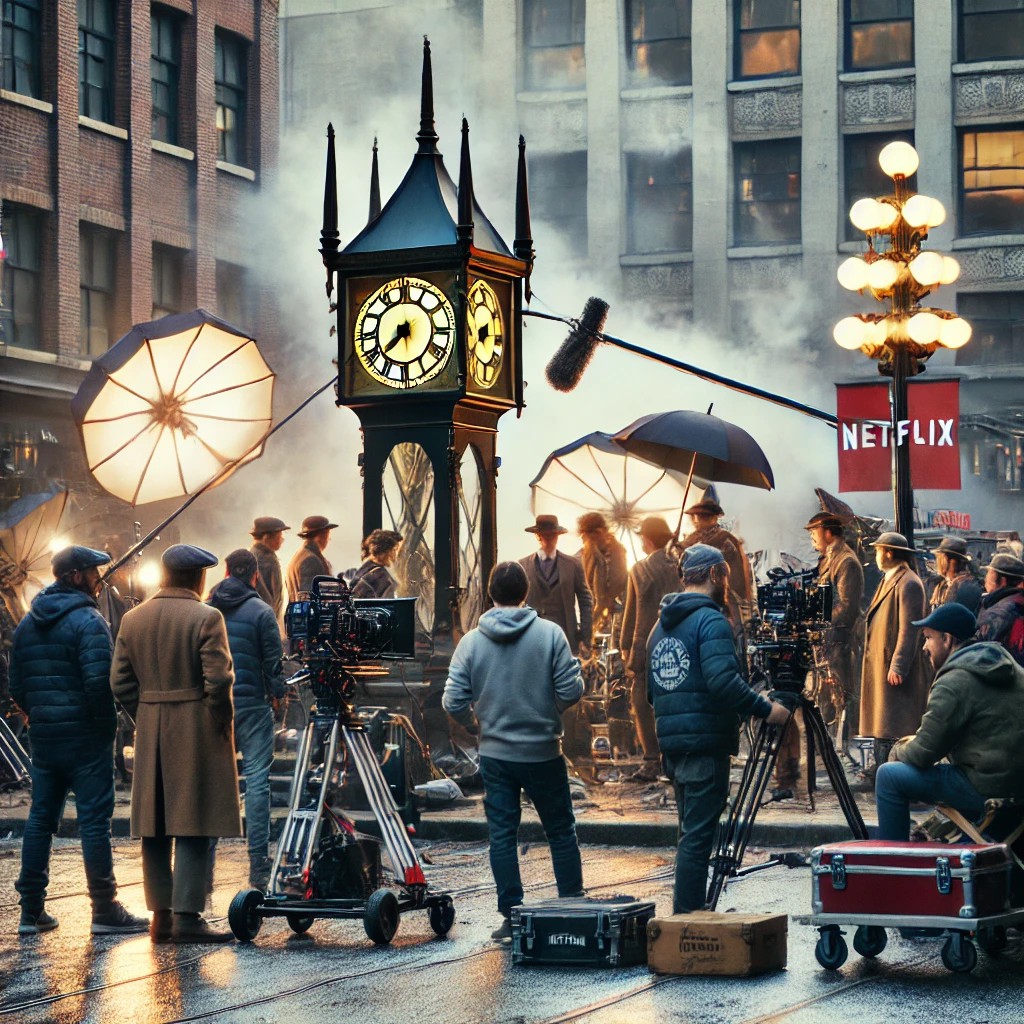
574 354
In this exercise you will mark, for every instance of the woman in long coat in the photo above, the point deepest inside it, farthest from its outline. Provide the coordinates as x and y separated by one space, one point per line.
172 671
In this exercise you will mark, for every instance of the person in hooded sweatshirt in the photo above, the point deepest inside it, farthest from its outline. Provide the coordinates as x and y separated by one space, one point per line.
515 671
255 643
698 694
974 718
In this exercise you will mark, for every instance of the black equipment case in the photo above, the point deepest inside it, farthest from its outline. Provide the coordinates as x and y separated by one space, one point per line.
609 932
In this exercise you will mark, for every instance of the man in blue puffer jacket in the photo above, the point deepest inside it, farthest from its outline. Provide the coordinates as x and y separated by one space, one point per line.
254 638
60 677
694 683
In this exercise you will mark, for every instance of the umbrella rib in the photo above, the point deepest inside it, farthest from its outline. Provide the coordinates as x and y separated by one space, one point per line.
597 466
145 468
230 387
131 440
580 479
178 460
184 360
213 366
131 391
39 523
117 419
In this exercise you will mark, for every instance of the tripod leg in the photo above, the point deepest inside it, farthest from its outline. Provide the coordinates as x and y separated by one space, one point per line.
833 766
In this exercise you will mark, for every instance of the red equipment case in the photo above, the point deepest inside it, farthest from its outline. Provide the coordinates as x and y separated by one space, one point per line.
913 879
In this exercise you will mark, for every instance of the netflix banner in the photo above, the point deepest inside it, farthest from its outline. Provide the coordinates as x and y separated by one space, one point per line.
865 435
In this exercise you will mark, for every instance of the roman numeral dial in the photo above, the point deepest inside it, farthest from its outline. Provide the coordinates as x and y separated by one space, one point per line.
485 345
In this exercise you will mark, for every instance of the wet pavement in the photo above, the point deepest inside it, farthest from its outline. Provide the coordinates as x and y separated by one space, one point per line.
334 973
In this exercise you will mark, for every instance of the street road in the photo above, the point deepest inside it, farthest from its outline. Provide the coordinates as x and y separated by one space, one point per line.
335 974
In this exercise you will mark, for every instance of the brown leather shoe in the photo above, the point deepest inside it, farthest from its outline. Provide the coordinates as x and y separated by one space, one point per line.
188 928
160 926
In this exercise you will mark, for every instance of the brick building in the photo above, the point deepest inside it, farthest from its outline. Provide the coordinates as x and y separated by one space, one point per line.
130 133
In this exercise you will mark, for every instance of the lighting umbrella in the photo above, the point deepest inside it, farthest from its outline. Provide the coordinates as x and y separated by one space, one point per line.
27 529
177 403
595 474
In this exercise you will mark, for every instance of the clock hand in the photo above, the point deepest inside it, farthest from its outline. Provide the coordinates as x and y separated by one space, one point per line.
402 331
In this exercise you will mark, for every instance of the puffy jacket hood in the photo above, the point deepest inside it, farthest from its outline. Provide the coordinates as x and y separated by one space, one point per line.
503 625
990 664
677 607
231 593
56 601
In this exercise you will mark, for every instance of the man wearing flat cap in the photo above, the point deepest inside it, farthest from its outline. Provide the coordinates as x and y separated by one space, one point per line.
975 719
172 671
895 674
267 537
1002 608
309 561
60 677
557 586
956 581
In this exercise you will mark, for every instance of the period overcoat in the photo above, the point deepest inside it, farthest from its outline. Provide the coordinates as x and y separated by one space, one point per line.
307 563
891 642
841 567
650 580
172 671
269 582
605 573
741 577
557 603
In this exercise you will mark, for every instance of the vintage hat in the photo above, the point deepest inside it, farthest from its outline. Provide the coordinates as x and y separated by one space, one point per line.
699 556
76 559
655 528
187 556
828 520
315 524
893 540
953 546
546 524
241 563
1006 565
705 507
590 521
267 524
953 618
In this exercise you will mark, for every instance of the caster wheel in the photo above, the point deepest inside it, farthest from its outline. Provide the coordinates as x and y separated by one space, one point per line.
300 923
993 940
959 954
830 950
243 914
870 940
442 916
380 919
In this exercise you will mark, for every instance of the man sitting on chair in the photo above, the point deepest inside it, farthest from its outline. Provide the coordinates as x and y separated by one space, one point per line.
975 718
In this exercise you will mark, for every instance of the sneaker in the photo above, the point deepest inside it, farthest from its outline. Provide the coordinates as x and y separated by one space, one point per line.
116 920
189 928
503 935
33 924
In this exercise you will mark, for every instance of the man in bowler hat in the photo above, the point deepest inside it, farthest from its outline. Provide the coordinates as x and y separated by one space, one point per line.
309 560
1001 618
267 537
956 581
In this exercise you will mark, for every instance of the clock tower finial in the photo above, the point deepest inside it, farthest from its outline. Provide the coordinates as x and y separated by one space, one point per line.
330 240
374 186
465 225
522 247
427 135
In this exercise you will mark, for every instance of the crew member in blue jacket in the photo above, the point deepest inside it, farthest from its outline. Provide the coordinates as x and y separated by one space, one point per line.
699 696
60 677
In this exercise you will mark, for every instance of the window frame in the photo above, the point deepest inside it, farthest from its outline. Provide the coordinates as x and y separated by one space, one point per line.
90 37
91 235
740 33
532 80
547 177
10 33
963 229
167 262
848 28
972 348
963 21
20 266
739 205
232 143
633 44
166 20
638 162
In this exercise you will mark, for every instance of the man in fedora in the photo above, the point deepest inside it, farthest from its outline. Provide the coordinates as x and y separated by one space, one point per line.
956 581
1002 608
309 560
895 674
705 515
557 586
267 537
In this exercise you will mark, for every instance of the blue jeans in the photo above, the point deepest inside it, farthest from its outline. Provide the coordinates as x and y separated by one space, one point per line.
89 774
546 783
254 738
898 784
701 783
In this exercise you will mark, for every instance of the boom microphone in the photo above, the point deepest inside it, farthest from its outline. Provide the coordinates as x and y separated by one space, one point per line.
573 356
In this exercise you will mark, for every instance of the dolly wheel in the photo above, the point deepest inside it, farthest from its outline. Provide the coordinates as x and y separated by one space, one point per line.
959 954
993 940
870 940
300 923
442 915
830 950
243 914
380 919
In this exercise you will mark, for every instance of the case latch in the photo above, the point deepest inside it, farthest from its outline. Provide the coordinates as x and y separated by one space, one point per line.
838 867
943 875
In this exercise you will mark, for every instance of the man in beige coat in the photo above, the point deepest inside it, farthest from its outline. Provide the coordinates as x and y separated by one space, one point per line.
172 671
309 561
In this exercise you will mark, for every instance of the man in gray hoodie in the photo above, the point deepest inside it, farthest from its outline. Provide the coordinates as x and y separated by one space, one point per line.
516 672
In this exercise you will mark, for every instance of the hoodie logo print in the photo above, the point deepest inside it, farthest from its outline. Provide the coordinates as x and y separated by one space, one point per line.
670 663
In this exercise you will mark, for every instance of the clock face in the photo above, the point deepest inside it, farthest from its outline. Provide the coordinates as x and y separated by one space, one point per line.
486 342
404 333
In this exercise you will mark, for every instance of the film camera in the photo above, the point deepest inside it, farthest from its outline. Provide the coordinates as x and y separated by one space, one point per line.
794 611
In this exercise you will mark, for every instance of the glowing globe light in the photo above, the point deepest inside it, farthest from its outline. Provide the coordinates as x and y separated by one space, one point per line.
867 215
149 575
850 333
950 270
883 274
924 328
853 274
923 212
927 268
954 333
898 158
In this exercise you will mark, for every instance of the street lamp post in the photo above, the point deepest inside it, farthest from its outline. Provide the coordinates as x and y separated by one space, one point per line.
899 274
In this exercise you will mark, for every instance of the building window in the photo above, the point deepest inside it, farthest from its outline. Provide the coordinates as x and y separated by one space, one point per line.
998 322
767 192
20 47
96 270
879 34
96 27
992 196
165 71
167 264
660 202
991 29
553 38
558 195
231 79
862 177
19 277
659 41
232 296
767 38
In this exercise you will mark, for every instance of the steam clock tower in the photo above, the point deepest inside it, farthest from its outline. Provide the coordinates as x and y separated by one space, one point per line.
429 358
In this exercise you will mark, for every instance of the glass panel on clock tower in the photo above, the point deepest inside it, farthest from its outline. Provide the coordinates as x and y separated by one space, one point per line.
471 603
408 508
